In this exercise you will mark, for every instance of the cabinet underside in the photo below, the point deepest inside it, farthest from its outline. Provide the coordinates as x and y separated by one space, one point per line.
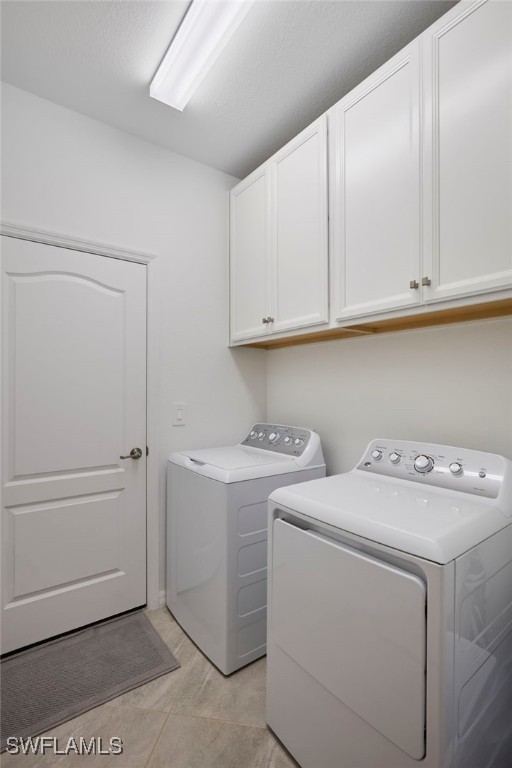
484 311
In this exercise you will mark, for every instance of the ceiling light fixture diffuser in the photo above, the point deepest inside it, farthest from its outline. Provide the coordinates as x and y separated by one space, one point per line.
206 29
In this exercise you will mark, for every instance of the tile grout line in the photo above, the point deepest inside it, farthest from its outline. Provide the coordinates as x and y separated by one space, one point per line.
173 712
111 703
157 740
218 720
167 715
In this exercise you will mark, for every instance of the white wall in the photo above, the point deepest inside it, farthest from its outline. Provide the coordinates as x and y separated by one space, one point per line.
70 174
450 385
73 175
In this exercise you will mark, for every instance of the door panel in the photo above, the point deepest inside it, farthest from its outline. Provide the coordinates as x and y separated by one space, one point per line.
44 551
376 209
468 150
357 625
299 279
74 401
249 254
38 305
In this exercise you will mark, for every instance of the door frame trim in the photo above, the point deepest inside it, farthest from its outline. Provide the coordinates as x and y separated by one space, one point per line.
60 240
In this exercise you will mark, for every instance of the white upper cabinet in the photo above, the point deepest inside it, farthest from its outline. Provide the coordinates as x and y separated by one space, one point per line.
375 153
419 188
467 58
279 246
249 248
300 223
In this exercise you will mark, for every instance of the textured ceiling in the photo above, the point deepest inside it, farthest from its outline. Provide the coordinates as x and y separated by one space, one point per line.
287 63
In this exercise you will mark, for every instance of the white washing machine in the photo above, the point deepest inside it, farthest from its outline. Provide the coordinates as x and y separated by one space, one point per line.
390 612
217 536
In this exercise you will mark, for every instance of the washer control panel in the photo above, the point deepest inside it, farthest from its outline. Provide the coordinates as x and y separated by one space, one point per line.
460 469
279 438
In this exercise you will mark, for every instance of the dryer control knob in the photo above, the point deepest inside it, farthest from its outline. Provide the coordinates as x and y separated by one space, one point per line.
377 455
455 468
298 441
273 437
288 440
261 435
253 434
423 464
394 458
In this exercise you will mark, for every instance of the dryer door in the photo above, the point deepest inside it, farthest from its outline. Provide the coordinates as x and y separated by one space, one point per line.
357 625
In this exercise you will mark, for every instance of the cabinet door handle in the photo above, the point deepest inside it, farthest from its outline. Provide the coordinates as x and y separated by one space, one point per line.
270 319
414 284
265 320
426 281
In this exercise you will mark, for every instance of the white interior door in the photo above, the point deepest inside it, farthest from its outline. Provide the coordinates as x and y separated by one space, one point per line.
74 402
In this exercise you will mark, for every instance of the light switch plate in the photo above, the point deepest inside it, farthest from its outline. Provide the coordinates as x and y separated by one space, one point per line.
178 414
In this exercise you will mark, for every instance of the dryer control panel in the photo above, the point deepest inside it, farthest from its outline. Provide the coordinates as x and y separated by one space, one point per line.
459 469
291 441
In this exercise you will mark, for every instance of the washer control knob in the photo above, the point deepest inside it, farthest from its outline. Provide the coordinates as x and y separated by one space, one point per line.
298 441
253 434
274 437
287 440
377 455
261 435
455 468
423 464
394 458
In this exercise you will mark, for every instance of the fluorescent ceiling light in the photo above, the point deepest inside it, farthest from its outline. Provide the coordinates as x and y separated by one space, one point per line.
202 35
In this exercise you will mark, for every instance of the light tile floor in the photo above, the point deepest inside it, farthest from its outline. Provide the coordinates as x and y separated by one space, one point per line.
193 717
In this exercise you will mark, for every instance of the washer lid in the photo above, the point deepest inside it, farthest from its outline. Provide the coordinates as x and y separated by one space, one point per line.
233 464
435 524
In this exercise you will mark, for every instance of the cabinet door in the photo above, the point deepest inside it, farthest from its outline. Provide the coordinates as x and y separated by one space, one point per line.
468 158
376 190
249 252
299 231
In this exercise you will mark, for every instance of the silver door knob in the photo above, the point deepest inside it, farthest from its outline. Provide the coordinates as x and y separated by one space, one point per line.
270 319
135 453
265 320
426 281
414 285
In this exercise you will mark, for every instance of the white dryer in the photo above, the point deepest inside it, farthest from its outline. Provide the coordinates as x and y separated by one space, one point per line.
390 612
217 536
